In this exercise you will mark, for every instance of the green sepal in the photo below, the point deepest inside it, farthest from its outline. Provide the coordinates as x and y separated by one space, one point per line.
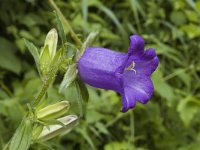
45 60
83 89
87 42
34 52
69 77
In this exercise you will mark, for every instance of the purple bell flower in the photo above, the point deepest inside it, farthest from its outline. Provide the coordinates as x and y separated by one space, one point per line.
126 73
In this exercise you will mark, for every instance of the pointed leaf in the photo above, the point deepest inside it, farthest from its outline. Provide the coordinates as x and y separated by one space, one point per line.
22 137
69 77
60 28
83 90
33 50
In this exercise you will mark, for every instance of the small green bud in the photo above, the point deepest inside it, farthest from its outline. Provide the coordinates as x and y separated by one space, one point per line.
54 130
52 40
53 111
48 51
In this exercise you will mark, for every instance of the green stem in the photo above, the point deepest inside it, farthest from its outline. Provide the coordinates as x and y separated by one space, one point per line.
66 23
132 126
46 84
6 89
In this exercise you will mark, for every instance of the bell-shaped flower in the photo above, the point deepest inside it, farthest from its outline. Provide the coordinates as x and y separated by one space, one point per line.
126 73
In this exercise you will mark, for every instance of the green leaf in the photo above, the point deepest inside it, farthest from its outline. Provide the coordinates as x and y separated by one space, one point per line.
33 50
119 146
187 108
8 60
88 138
22 137
113 17
178 18
88 42
102 128
69 77
192 30
162 87
83 90
60 28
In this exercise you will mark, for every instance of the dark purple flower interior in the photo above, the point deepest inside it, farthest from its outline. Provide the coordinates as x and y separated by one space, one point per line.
126 73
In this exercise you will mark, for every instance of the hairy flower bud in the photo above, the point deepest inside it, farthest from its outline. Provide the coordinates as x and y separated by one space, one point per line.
53 111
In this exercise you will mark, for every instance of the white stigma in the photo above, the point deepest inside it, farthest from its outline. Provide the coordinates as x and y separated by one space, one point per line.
131 67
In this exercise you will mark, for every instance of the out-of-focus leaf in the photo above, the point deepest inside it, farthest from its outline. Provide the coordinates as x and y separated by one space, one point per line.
178 17
187 108
119 146
163 88
8 60
84 133
112 16
191 30
60 28
11 109
102 128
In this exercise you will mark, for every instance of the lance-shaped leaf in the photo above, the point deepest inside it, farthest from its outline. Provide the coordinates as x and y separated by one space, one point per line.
22 137
33 50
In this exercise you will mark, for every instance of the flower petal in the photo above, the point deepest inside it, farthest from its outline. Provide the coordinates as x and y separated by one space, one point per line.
98 67
136 45
136 88
146 63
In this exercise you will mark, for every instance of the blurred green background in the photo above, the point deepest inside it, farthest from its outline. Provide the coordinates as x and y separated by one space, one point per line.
169 121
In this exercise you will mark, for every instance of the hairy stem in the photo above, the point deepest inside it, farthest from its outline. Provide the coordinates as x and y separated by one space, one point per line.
46 84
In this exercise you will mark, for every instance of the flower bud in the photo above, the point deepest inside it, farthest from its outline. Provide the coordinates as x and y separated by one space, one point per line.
53 111
48 51
53 130
52 40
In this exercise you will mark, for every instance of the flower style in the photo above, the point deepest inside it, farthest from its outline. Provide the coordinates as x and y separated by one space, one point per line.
126 73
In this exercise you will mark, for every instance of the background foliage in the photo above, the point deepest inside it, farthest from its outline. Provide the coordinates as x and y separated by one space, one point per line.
169 121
